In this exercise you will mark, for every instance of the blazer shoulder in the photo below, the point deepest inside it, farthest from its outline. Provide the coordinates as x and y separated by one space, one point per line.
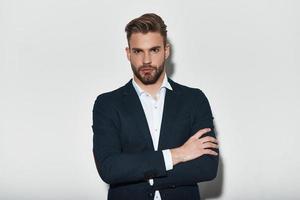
187 91
112 97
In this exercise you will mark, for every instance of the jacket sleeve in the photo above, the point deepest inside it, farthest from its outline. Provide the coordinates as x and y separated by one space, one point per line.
113 165
203 168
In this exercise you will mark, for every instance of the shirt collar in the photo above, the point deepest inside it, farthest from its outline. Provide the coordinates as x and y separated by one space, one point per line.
140 91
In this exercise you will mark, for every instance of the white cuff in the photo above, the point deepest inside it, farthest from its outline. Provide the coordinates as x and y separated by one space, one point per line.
151 182
168 159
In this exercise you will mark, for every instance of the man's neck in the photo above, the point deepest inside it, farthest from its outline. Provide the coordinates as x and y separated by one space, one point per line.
152 89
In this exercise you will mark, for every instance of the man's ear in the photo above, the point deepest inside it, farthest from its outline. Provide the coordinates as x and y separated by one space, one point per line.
167 51
128 53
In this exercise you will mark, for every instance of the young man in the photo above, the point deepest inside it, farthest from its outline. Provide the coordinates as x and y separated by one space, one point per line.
153 138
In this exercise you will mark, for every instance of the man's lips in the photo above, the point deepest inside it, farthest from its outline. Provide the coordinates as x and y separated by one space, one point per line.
146 69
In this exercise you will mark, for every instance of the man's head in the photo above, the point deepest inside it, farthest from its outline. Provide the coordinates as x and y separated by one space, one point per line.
146 23
147 47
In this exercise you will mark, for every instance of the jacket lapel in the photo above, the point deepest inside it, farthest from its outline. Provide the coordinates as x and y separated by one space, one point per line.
133 106
169 113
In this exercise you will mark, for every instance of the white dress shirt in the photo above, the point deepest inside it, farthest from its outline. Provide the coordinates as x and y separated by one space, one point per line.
153 109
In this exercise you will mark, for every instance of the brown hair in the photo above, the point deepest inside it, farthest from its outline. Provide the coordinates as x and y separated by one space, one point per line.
148 22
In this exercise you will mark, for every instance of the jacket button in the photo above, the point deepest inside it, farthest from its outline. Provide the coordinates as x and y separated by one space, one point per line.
150 194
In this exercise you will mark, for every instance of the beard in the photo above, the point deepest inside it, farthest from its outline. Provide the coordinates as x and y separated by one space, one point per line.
148 74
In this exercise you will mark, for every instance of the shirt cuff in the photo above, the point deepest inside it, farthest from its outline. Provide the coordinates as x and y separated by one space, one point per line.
151 182
168 159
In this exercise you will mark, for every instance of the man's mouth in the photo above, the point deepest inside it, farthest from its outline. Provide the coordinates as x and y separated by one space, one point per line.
146 69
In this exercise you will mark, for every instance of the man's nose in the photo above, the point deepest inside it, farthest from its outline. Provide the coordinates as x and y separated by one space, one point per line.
147 58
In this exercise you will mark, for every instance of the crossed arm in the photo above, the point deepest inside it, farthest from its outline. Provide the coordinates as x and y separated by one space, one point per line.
193 162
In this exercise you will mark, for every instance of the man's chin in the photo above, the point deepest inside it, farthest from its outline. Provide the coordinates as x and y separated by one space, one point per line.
148 78
148 81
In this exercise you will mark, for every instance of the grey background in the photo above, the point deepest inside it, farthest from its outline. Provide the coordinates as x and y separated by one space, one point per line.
57 56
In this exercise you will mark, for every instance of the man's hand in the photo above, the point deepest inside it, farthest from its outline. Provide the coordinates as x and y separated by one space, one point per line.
195 147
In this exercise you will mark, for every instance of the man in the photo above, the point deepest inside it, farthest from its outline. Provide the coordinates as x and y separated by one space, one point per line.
153 138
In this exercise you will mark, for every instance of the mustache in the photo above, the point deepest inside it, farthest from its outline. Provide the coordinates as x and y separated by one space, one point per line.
146 66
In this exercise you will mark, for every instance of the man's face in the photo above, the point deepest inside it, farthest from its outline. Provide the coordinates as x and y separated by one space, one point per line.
147 55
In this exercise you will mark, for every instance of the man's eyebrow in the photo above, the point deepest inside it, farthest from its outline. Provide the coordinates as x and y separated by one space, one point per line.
139 49
136 49
155 47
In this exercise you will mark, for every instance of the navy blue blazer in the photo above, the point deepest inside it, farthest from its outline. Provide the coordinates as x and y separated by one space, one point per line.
124 153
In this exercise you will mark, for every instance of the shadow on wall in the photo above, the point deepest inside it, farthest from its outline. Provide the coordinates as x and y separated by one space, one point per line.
210 189
213 189
170 65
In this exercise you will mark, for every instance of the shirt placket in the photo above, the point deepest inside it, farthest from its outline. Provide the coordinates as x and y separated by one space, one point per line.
156 124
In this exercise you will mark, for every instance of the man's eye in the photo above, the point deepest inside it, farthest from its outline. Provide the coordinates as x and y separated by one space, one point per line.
155 50
136 51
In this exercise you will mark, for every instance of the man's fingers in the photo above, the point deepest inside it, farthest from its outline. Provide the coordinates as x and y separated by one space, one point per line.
200 133
210 145
210 152
208 139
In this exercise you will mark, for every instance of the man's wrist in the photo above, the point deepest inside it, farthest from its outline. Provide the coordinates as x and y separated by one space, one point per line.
177 155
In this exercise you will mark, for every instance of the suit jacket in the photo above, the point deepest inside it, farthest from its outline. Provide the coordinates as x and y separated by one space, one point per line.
123 150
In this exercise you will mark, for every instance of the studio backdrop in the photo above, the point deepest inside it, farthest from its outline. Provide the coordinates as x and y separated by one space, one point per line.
56 57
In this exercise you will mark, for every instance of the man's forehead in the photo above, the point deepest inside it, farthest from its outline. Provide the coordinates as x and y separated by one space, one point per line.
146 40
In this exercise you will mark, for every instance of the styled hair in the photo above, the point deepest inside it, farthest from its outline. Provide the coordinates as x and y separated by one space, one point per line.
148 22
